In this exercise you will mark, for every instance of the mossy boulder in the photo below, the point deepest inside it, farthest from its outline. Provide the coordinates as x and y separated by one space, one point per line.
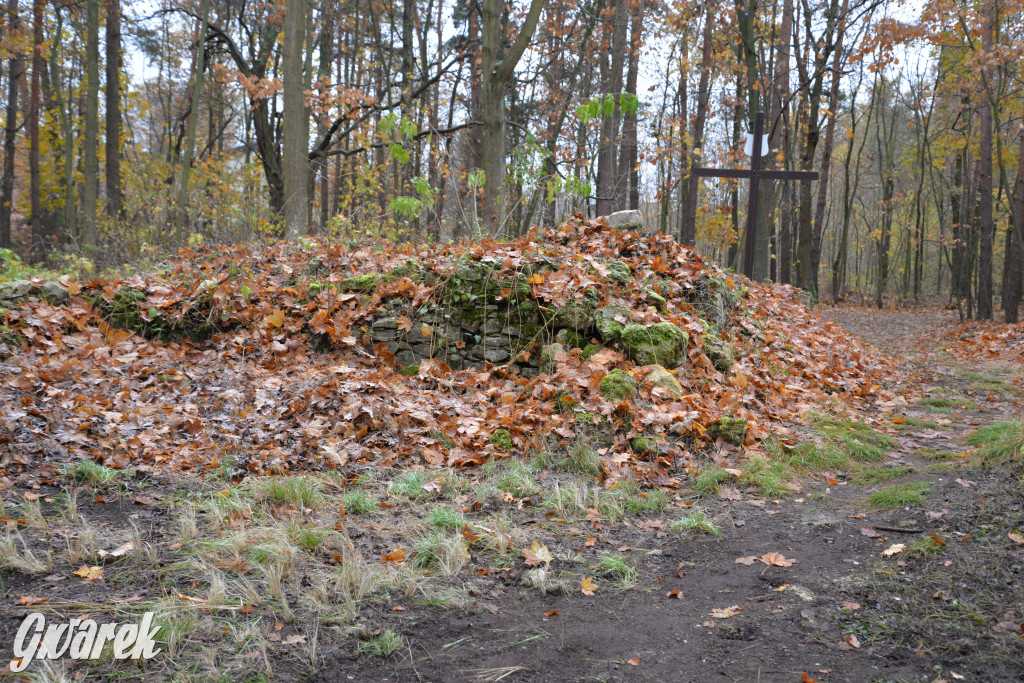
720 352
610 321
314 289
411 370
590 349
661 377
659 344
13 291
656 300
571 339
618 272
575 315
732 429
640 444
501 438
360 283
617 386
549 354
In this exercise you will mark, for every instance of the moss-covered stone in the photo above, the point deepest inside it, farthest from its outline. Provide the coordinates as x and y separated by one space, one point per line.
732 429
575 315
656 300
640 444
610 321
618 271
617 386
360 283
660 377
501 438
719 352
314 289
570 339
658 344
549 354
53 293
442 437
590 349
411 370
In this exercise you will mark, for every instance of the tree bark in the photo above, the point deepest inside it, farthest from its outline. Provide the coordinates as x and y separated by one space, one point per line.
113 101
1015 263
15 69
986 225
40 238
497 71
688 234
610 116
90 163
295 155
190 134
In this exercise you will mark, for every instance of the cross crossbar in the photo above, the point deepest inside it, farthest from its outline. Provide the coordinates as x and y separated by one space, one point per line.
755 174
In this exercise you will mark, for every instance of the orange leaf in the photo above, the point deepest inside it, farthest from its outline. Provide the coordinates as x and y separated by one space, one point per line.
396 557
633 662
776 560
552 613
31 600
589 543
536 554
1016 538
807 679
852 641
404 324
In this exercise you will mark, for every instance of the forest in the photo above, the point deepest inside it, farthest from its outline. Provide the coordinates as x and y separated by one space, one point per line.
136 128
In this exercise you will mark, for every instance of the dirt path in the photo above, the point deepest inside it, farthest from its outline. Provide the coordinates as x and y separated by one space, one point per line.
943 610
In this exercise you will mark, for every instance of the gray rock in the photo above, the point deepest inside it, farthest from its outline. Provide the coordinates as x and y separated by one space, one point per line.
53 293
820 519
720 352
14 290
625 220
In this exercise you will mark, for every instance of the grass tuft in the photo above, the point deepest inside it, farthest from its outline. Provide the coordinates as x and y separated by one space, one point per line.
876 475
900 495
444 517
384 645
999 442
696 521
91 473
709 479
359 502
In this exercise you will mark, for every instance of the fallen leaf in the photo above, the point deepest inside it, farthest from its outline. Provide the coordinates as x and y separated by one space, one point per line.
117 553
31 600
748 560
807 679
776 560
536 554
936 539
869 532
589 543
852 606
89 573
726 612
966 484
398 608
633 662
1016 538
675 593
852 640
552 613
294 639
588 585
894 549
395 557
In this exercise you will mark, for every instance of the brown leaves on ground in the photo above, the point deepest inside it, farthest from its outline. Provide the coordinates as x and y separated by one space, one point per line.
536 555
588 585
772 559
726 612
255 386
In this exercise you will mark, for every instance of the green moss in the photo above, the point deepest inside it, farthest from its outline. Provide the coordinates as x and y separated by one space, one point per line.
501 438
360 283
901 495
658 344
411 370
314 289
719 352
590 349
640 444
732 429
656 300
608 328
617 386
618 271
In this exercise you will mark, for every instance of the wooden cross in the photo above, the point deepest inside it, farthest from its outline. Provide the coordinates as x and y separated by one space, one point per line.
755 174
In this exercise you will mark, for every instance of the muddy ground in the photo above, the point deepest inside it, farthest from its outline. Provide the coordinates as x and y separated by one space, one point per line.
948 607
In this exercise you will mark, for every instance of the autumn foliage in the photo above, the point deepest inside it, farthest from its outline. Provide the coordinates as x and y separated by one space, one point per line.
229 357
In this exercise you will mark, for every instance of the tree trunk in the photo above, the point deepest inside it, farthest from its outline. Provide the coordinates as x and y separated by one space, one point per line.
612 87
688 234
113 96
627 192
986 225
190 135
90 163
40 238
15 68
1015 263
295 155
497 71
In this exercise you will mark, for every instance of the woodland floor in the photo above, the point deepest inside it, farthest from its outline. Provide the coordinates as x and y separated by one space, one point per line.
949 607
